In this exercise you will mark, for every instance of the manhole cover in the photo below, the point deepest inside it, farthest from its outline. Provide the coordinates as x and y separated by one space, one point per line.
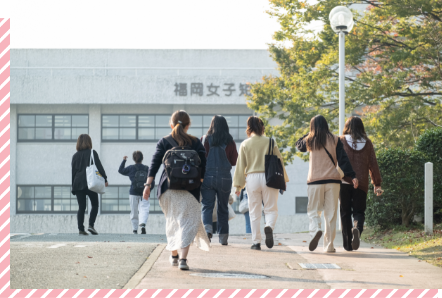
230 275
319 266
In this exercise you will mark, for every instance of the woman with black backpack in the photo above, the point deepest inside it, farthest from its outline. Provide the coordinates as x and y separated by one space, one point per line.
221 155
139 207
179 188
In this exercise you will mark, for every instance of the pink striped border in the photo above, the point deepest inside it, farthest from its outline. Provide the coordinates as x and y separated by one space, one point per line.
6 291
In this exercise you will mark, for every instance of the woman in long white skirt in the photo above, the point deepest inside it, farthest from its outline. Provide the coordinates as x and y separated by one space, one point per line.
181 208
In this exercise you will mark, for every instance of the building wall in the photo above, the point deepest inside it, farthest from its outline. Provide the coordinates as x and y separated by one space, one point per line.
97 82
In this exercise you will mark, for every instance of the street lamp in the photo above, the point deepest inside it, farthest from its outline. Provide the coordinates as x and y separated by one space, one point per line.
341 21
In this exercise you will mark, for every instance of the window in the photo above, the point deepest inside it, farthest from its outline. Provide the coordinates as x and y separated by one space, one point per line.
116 200
145 128
46 199
51 128
301 204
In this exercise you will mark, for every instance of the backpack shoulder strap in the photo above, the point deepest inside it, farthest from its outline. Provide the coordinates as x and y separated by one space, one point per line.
171 141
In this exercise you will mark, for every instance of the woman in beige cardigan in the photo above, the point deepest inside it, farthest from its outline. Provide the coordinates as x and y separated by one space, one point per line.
250 172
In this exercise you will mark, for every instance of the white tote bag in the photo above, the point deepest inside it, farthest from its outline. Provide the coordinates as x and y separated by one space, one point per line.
95 182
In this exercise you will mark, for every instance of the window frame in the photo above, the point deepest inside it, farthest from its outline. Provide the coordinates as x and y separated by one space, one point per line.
52 140
155 140
51 198
151 199
296 201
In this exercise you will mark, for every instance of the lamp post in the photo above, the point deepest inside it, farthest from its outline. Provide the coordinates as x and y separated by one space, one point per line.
341 21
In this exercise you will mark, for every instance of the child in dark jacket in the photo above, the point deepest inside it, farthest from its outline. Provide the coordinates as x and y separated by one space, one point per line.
139 207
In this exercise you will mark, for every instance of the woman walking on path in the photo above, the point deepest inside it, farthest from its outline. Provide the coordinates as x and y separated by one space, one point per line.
324 179
361 153
80 161
221 155
181 208
250 172
139 207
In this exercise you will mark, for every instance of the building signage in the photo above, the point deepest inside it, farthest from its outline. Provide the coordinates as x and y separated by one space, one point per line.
228 89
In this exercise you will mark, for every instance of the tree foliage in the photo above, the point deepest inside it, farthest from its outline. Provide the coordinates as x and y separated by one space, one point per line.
393 70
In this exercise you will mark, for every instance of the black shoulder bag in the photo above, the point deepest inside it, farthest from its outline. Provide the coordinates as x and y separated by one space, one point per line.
274 171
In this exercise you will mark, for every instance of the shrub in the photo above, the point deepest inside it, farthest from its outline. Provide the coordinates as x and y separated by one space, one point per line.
430 143
403 181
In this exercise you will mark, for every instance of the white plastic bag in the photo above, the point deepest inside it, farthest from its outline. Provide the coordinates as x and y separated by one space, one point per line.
95 182
244 205
231 212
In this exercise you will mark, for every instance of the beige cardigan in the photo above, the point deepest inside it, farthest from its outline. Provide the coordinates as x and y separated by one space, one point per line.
251 159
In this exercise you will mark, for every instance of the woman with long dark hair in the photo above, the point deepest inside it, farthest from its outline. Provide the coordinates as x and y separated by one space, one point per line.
324 179
250 172
181 208
361 153
221 155
80 161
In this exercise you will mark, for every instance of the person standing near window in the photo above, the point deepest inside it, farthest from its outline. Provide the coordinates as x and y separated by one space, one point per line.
361 153
250 172
139 207
221 155
324 179
181 208
80 161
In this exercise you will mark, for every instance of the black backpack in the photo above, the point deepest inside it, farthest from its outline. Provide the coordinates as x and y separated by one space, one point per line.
182 166
140 178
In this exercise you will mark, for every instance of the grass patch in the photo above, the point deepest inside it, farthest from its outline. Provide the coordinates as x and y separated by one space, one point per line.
411 240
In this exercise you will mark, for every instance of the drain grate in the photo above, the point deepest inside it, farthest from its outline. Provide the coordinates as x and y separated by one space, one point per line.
230 275
319 266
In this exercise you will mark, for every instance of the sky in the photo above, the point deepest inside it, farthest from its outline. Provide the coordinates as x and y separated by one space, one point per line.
141 24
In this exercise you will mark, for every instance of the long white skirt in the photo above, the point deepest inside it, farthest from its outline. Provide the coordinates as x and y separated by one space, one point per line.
183 220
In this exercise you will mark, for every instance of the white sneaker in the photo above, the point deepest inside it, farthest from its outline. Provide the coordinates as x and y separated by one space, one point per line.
174 261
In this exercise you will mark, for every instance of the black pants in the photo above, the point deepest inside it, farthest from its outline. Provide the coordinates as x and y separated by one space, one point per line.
353 202
82 203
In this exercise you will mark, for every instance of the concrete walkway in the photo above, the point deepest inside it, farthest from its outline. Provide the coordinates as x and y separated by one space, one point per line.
369 267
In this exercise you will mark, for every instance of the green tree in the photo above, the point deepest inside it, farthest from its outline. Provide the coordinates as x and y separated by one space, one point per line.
393 78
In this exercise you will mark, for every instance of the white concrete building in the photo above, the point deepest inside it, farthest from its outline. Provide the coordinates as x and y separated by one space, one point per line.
123 99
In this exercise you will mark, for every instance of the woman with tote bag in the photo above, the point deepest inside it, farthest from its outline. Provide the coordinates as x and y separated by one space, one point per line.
87 178
251 172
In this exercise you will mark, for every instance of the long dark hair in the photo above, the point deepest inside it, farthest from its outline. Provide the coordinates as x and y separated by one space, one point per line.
355 128
179 121
255 125
219 130
319 133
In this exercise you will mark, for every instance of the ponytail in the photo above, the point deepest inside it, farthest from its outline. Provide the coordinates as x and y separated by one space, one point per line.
180 120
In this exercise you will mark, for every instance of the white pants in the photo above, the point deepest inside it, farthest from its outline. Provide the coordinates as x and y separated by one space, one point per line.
323 198
138 205
258 192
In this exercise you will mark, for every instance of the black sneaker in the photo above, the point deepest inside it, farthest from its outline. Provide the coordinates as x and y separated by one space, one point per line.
92 230
315 240
135 231
209 235
356 236
83 233
182 264
256 246
269 236
143 230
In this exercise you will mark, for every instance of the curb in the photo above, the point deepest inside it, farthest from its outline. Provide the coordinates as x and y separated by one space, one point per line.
145 268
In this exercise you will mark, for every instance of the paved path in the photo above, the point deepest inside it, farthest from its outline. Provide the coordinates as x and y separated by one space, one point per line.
47 237
366 268
75 265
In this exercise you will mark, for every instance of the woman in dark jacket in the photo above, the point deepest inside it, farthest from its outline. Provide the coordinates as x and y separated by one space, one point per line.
181 208
80 161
